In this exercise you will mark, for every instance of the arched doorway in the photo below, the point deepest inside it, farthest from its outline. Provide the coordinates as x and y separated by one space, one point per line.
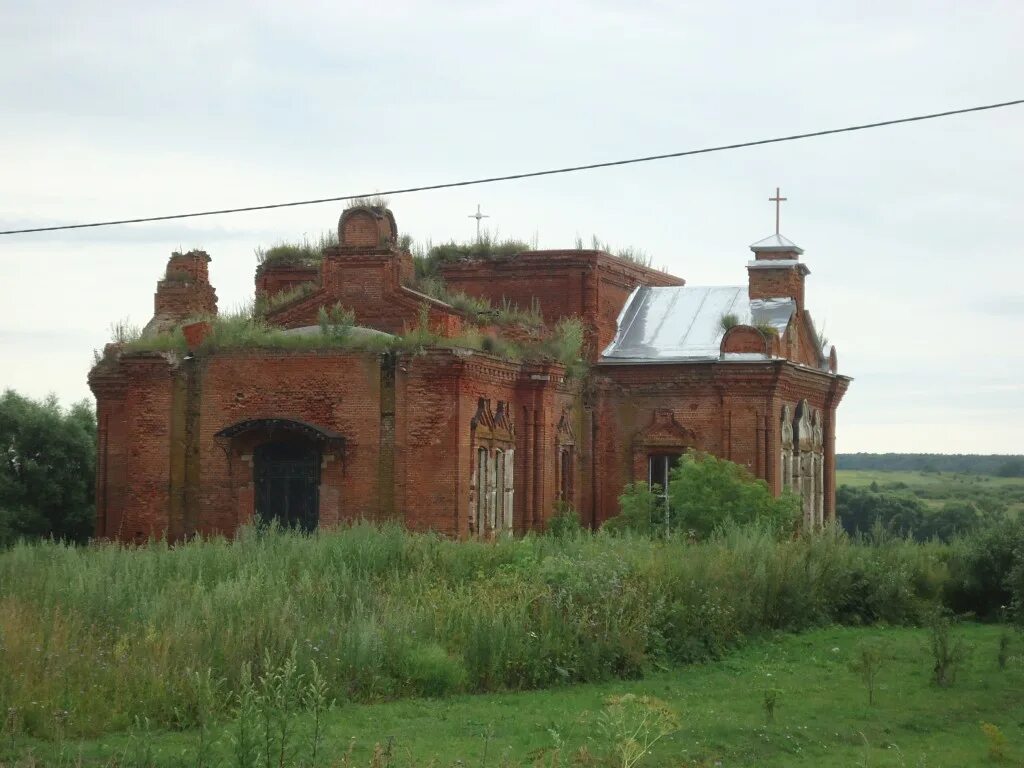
286 476
277 467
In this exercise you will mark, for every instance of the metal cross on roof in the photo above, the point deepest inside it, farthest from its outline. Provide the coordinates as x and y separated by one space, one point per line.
778 200
478 216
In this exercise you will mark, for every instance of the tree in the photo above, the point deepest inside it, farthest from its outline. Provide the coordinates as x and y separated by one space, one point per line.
47 469
858 509
1012 468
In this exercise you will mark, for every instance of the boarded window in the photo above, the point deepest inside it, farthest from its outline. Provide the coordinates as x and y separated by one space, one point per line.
565 474
498 492
481 490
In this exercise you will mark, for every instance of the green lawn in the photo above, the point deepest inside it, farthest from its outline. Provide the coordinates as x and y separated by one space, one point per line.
936 488
822 716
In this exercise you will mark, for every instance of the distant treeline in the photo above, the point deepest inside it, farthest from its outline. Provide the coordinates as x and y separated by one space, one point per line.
1001 465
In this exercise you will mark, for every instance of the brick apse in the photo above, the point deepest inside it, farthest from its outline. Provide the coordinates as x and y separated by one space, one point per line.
454 439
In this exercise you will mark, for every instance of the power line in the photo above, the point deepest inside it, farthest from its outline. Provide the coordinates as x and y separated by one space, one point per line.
529 175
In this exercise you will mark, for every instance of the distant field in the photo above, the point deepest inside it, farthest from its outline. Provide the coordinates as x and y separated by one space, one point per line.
937 488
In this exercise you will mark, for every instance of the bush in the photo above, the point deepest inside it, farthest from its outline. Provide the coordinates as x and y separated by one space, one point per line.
983 567
565 522
948 652
640 511
705 492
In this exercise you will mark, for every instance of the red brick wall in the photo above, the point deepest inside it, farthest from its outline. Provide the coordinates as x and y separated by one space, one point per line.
776 283
438 395
332 390
591 285
275 279
732 409
179 298
371 284
134 407
744 338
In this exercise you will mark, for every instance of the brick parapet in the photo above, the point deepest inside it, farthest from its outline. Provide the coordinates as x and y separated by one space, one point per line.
590 285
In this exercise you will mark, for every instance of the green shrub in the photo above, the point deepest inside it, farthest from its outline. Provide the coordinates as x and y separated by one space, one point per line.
948 652
640 511
870 658
705 492
564 522
982 568
1015 580
336 322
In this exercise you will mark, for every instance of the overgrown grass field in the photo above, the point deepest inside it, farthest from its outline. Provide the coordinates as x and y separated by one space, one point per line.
105 639
716 712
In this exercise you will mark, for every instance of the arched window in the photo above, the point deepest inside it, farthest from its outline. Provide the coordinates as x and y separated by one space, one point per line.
493 437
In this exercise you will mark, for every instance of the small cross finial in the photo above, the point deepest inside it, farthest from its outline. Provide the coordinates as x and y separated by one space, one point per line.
778 200
478 216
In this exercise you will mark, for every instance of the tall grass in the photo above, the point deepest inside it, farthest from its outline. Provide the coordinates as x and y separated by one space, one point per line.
108 634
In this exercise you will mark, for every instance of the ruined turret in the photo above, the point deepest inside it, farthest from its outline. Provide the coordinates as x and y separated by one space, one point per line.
184 292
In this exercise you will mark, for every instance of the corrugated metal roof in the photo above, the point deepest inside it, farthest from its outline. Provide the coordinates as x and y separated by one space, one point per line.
685 323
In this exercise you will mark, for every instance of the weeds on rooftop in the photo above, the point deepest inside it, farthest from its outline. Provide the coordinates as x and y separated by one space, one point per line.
267 304
729 320
307 253
478 308
376 202
629 253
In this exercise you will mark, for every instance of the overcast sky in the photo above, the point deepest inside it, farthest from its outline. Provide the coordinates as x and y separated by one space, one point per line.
913 234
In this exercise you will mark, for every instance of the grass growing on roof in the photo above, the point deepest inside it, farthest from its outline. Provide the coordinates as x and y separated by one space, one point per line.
478 308
307 253
246 328
376 202
729 320
429 258
628 253
283 298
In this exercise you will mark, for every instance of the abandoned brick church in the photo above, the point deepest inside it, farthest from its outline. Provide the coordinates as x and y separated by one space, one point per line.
463 438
